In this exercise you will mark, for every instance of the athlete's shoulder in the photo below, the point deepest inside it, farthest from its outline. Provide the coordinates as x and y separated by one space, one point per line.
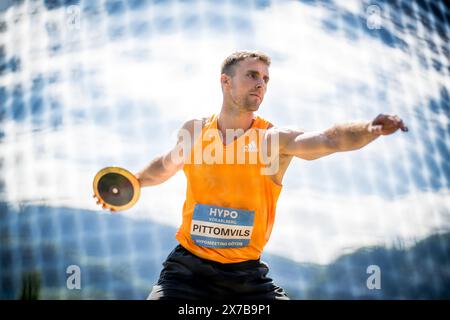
191 124
264 123
284 135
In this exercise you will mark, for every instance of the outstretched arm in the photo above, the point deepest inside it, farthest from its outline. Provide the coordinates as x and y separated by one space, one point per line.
160 169
338 138
165 166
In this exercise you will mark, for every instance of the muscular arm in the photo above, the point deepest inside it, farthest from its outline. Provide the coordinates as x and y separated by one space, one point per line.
165 166
338 138
158 170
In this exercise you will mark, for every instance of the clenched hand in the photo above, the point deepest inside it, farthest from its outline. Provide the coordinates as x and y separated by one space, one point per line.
385 124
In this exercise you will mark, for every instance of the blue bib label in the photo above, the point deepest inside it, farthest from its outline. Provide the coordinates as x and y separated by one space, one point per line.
218 227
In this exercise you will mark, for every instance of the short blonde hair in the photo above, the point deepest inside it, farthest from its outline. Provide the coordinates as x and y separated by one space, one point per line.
229 63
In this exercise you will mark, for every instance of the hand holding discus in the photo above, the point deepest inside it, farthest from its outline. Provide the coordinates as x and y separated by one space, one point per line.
116 188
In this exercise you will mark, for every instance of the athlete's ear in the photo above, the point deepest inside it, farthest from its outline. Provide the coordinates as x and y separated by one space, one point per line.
225 80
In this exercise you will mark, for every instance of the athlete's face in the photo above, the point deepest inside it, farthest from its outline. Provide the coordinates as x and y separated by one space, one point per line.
247 87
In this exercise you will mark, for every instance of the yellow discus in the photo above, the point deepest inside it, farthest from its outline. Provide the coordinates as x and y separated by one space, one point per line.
116 188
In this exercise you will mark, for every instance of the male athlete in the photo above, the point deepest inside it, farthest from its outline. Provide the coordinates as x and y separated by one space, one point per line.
234 163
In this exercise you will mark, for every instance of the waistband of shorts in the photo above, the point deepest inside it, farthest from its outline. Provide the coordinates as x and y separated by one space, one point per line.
249 264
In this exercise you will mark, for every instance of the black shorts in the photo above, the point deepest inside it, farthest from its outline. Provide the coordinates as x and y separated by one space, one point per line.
188 277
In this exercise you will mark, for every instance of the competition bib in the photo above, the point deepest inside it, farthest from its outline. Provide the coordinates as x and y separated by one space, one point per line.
218 227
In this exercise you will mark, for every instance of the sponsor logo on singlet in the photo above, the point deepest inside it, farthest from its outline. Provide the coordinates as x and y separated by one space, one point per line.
251 147
218 227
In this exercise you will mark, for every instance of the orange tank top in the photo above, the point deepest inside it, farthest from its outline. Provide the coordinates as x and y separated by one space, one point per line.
230 203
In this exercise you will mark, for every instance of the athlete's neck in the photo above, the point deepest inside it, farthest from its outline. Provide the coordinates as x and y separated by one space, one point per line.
227 120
